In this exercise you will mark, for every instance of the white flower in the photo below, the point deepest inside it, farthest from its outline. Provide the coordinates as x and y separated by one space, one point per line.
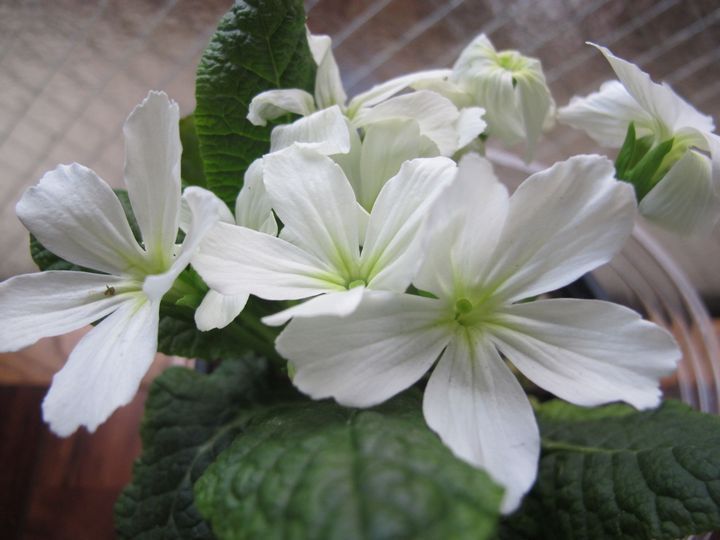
76 215
328 124
685 195
485 253
252 210
318 252
510 87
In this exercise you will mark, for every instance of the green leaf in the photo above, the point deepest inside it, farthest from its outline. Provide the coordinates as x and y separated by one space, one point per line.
191 166
189 419
614 472
178 335
320 471
258 46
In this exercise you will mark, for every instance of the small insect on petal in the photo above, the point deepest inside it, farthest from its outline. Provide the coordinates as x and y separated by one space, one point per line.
109 291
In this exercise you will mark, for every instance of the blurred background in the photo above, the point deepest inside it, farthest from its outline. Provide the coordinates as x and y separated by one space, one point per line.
72 70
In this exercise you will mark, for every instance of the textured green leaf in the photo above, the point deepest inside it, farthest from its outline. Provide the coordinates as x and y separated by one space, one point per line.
178 336
621 475
189 419
258 46
191 166
320 471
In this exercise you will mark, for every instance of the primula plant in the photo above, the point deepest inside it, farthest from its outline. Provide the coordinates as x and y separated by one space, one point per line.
383 351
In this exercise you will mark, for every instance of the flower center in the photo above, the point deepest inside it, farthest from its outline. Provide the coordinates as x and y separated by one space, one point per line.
511 61
463 309
356 283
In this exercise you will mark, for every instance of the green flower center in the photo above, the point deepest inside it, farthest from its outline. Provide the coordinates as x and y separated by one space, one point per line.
511 61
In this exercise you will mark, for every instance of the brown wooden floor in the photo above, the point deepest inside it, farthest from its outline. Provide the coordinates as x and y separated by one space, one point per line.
53 488
64 489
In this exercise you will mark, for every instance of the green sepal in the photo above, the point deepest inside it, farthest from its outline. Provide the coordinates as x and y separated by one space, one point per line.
642 164
614 472
623 162
644 175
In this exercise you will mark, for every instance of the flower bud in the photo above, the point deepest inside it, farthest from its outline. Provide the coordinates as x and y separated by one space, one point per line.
512 89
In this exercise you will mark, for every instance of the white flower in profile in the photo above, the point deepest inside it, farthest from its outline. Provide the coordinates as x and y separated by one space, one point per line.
253 210
77 216
485 253
509 86
685 193
318 253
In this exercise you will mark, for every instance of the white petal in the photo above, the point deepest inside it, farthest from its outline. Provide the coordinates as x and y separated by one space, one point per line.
218 310
152 172
605 115
314 199
482 414
386 145
253 208
33 306
104 370
477 56
337 304
470 125
392 249
206 210
684 200
328 85
495 92
186 214
463 229
435 114
712 142
76 215
460 97
534 101
325 131
587 352
562 223
657 99
363 218
235 260
275 103
362 359
381 92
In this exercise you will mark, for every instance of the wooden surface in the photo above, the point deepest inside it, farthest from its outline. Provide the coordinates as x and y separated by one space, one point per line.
61 489
55 488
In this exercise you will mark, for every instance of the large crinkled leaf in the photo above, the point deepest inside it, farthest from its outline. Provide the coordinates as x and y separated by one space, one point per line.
614 472
178 335
258 46
315 470
191 166
189 419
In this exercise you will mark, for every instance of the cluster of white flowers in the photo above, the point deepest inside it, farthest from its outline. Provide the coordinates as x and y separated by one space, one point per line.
403 251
